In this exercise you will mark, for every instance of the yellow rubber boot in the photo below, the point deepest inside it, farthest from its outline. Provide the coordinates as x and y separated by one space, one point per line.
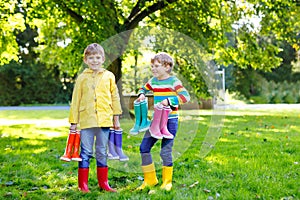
167 173
150 178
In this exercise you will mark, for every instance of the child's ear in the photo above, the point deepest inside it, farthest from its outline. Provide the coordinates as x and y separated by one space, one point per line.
84 60
167 66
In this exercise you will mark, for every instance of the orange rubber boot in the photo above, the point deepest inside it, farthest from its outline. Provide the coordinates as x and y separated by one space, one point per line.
68 151
75 155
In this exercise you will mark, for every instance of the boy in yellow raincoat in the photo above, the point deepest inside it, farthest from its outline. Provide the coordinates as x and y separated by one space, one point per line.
95 107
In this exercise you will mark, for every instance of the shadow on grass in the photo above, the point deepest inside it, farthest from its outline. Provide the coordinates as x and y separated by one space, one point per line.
254 156
31 167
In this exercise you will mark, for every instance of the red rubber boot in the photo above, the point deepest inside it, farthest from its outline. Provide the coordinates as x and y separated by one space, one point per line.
102 173
83 179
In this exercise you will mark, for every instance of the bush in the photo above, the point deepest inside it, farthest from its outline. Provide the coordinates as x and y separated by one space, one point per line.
259 99
283 92
31 84
277 98
289 98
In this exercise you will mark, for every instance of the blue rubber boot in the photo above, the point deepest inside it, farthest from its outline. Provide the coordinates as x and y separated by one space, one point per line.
112 154
137 112
145 123
119 144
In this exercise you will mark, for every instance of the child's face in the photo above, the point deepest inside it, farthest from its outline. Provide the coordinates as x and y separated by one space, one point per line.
160 71
94 61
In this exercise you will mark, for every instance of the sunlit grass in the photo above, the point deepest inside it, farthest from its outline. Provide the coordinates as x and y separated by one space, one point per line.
256 157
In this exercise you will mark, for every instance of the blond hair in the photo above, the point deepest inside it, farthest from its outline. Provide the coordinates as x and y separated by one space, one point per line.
94 48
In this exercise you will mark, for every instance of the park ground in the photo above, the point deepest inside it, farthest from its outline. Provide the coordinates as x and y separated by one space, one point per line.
256 156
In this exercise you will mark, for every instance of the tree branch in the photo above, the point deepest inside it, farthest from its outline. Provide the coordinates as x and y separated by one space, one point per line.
139 16
78 18
136 9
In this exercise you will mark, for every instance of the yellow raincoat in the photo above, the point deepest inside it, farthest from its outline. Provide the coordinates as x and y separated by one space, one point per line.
95 100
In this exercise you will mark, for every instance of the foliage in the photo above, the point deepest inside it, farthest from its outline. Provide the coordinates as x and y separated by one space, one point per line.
258 83
30 84
284 72
256 157
223 28
257 89
191 61
271 92
11 22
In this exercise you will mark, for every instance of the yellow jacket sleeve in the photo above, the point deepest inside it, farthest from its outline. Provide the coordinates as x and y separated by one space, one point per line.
116 105
75 104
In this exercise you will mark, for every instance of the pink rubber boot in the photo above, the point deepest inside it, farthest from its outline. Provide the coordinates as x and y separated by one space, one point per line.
164 121
155 124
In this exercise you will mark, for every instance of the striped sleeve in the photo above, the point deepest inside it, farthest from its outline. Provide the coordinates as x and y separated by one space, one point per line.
146 88
182 94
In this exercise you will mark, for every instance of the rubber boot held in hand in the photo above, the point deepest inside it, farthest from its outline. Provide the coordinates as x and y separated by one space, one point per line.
155 125
69 148
75 155
145 123
164 123
137 112
119 143
112 154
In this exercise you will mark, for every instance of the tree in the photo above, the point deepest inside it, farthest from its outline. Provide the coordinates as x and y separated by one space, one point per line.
220 26
11 22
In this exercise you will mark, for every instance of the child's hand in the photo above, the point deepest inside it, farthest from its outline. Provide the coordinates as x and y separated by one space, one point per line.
116 123
73 127
141 98
165 102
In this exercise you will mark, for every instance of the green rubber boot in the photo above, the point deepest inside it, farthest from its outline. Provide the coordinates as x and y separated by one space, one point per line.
137 112
145 123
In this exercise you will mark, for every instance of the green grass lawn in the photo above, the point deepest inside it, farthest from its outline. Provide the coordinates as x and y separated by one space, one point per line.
257 157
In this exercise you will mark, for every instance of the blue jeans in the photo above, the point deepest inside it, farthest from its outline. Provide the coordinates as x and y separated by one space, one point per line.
87 137
166 145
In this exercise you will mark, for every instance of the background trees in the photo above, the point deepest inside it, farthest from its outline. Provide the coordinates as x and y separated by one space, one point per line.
225 30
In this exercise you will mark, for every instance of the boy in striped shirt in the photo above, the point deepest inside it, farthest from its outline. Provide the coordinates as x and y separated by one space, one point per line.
168 93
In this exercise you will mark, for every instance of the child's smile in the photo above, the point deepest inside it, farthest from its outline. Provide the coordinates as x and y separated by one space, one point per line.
94 61
159 71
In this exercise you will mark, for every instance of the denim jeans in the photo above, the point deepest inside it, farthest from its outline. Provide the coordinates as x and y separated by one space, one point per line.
166 145
87 137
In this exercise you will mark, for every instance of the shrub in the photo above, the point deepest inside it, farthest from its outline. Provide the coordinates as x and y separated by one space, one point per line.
289 98
272 92
259 99
30 84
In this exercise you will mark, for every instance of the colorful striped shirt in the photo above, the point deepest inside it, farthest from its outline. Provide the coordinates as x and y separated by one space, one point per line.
171 89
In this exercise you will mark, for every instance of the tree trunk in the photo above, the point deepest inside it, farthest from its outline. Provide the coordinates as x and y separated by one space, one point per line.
116 68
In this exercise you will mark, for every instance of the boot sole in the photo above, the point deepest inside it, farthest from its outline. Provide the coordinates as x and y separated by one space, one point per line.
144 129
154 136
113 158
76 159
65 159
168 137
124 159
133 133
